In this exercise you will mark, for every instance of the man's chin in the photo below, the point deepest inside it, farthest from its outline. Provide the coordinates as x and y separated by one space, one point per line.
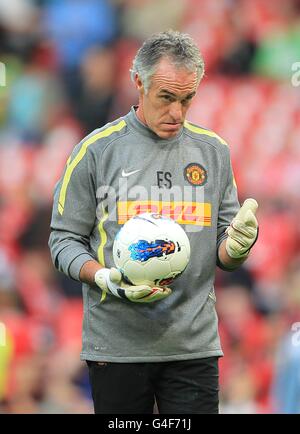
167 134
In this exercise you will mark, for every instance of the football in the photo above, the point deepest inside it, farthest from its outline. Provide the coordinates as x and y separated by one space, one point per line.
151 249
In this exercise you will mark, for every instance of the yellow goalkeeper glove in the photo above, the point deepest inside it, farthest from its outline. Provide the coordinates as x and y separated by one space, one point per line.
243 230
110 280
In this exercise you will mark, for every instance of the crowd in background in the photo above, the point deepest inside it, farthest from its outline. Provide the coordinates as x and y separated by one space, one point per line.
67 73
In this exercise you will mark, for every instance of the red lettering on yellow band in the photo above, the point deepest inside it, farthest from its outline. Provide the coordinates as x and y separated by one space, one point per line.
188 213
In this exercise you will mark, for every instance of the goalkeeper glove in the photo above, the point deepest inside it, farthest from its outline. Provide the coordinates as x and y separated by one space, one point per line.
110 280
243 230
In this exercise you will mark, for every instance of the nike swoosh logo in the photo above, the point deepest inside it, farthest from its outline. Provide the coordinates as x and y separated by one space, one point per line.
130 173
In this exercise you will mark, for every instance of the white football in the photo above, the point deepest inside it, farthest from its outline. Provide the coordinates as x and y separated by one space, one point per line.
151 249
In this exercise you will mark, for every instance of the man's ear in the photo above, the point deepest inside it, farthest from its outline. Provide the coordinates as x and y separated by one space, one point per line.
138 83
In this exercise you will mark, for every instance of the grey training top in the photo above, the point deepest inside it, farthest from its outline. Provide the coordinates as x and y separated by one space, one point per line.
122 169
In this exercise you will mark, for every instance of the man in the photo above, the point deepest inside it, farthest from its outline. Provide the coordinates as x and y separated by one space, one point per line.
144 344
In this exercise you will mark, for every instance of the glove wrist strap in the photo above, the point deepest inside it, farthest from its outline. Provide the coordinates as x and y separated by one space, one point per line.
237 256
112 287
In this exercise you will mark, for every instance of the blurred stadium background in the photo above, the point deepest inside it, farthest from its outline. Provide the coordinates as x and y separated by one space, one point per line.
66 65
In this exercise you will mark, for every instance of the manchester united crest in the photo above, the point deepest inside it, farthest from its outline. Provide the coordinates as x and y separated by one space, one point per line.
195 174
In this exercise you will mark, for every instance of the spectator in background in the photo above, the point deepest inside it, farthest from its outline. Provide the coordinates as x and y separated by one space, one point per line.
141 18
286 390
239 45
96 96
286 384
34 98
8 302
74 26
279 48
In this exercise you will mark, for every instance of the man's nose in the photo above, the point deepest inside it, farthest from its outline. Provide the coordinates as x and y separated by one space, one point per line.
176 111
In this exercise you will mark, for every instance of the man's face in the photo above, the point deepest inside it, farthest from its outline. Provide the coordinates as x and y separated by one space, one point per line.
163 108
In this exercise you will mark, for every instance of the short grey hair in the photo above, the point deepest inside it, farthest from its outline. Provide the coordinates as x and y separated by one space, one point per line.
178 47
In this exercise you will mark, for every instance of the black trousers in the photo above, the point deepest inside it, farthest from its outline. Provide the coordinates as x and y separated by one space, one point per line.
179 387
